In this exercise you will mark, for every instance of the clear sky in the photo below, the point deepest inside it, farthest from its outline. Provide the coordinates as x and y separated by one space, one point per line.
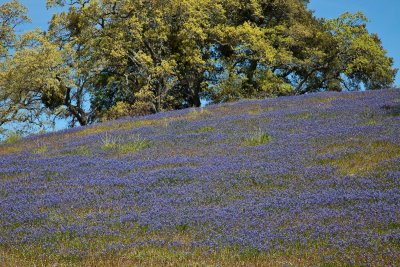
384 18
383 15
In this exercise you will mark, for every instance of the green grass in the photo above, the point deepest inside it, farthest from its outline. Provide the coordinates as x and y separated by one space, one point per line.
82 150
173 181
257 138
118 146
204 129
367 156
40 150
304 115
133 146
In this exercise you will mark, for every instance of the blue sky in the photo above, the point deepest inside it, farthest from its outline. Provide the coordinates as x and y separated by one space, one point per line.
383 15
384 18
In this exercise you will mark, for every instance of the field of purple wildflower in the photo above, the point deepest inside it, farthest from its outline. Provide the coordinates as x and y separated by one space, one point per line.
311 180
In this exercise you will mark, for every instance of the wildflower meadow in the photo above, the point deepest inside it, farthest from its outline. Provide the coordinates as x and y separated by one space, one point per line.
308 180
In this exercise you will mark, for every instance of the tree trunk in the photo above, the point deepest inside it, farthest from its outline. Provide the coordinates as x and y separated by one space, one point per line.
251 85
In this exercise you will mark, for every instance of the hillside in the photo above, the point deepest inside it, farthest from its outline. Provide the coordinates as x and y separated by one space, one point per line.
309 180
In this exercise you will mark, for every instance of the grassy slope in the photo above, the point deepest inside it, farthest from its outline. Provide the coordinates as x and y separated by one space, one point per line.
311 180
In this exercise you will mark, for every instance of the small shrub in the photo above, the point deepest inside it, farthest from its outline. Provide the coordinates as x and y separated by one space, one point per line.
117 144
368 114
108 141
369 118
40 147
165 122
258 137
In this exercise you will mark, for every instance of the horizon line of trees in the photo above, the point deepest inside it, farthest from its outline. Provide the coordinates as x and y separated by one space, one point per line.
104 59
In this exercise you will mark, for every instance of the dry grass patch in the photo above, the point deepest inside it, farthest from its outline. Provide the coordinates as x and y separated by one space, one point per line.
197 114
358 157
118 126
161 256
10 149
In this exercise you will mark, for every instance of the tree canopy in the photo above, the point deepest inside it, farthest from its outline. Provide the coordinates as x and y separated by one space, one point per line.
104 59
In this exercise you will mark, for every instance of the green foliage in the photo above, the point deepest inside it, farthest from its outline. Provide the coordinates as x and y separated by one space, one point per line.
12 14
362 57
105 59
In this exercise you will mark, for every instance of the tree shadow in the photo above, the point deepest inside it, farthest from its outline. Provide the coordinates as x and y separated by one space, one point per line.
392 109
